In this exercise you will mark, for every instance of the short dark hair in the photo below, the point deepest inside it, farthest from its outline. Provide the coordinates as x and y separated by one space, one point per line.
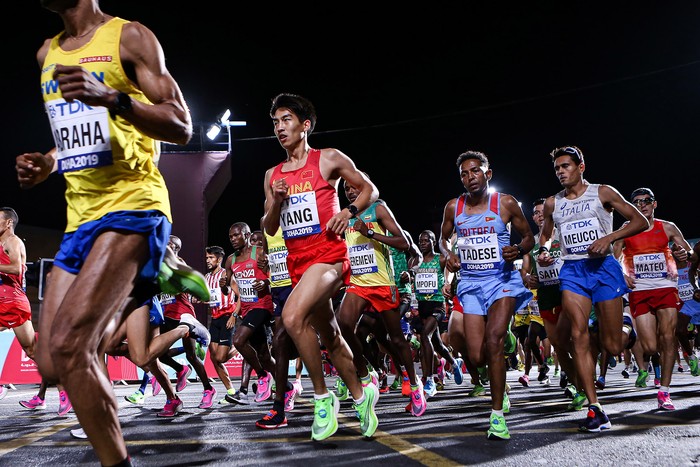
242 226
10 214
300 106
538 201
572 151
642 191
215 250
480 156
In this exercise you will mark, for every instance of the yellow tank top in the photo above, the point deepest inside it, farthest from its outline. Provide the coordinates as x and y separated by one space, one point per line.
370 260
108 164
277 259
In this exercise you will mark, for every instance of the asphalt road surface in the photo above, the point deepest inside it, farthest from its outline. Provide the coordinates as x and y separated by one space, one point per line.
451 432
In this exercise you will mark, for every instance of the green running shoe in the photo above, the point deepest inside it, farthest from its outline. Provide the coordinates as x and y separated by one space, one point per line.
497 429
200 352
506 403
477 391
365 410
642 377
577 402
510 342
694 368
325 417
341 389
395 385
483 374
136 398
175 277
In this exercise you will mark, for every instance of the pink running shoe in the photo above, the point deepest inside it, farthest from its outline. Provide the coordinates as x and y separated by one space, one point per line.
64 404
524 380
418 403
207 398
155 386
182 378
297 385
171 408
289 397
35 403
264 388
664 400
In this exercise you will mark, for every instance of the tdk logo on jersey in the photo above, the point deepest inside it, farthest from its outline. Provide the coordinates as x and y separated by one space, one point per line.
477 240
579 225
67 108
361 247
651 257
296 199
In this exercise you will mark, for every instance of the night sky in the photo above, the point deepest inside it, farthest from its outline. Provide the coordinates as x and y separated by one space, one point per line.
403 92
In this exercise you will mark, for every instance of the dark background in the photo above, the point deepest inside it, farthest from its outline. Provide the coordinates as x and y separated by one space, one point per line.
404 91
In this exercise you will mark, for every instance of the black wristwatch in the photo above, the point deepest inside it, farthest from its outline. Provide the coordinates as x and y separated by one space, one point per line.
353 210
521 252
370 233
122 104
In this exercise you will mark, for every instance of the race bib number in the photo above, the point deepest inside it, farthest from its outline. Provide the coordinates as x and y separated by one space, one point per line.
362 259
549 275
167 299
578 235
479 252
649 266
685 291
299 215
278 266
427 283
81 134
248 293
215 297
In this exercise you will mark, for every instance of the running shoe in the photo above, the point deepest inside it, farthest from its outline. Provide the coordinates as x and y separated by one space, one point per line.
550 361
612 362
577 402
264 388
545 382
457 370
197 330
136 398
625 373
642 377
325 417
297 385
563 380
35 403
78 433
524 380
341 389
155 386
596 420
556 372
483 374
657 383
64 405
182 378
570 391
543 373
600 382
664 401
365 410
172 407
506 403
384 389
510 342
200 351
273 419
238 398
477 391
497 428
418 403
175 277
441 369
405 385
694 367
207 398
3 391
289 398
439 385
681 369
395 385
429 388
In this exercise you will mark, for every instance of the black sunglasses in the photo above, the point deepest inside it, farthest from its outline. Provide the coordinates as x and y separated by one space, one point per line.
639 202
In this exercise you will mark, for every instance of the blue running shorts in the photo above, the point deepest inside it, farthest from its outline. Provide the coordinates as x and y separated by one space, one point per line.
76 245
692 308
477 295
599 279
156 317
